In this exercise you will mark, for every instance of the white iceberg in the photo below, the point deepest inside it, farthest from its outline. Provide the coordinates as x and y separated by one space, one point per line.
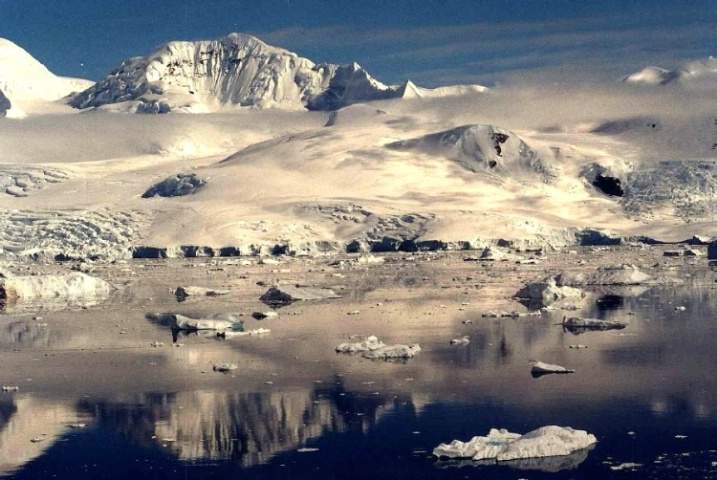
502 445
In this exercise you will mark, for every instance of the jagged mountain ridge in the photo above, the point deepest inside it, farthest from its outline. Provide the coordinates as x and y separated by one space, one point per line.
238 69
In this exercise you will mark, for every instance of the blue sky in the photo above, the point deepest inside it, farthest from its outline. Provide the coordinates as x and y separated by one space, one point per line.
431 42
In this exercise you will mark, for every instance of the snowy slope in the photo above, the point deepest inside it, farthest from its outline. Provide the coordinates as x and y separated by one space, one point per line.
23 78
236 70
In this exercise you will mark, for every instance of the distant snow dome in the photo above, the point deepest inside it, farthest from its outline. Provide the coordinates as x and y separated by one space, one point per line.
691 73
652 75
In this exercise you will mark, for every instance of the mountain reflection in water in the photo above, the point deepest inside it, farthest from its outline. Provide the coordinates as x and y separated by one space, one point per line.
249 428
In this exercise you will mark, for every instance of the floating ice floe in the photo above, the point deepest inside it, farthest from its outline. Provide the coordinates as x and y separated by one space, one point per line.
375 349
502 445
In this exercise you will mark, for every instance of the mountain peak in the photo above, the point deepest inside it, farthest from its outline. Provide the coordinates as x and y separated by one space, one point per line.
237 69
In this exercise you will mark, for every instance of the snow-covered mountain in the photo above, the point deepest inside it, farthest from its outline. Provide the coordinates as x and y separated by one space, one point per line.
237 69
23 78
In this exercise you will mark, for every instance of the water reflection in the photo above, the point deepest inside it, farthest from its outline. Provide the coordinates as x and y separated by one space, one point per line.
656 377
29 426
37 334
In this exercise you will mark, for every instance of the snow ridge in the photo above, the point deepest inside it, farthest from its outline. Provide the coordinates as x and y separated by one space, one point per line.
238 69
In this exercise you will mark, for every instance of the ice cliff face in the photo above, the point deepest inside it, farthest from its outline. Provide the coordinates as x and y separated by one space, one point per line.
237 69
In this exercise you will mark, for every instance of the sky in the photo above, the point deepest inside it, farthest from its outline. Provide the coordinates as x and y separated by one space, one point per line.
431 42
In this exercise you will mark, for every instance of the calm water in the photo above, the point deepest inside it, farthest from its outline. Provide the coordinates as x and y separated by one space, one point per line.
647 392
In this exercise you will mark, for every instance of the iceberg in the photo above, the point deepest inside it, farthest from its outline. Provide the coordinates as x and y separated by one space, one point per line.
504 446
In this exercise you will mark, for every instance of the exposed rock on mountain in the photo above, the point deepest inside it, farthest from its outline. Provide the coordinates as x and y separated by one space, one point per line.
175 186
